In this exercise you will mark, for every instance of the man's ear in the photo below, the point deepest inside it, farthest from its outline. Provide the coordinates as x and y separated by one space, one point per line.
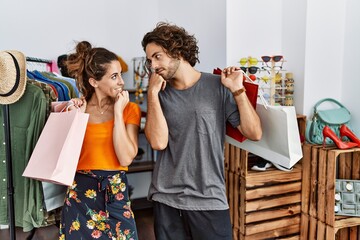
93 82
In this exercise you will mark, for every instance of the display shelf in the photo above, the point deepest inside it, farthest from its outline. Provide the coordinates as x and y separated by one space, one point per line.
141 166
274 87
321 168
140 203
263 204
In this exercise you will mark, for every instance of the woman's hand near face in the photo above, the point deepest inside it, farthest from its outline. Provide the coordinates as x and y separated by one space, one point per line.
121 100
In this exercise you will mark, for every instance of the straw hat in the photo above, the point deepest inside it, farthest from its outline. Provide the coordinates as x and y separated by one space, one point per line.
12 76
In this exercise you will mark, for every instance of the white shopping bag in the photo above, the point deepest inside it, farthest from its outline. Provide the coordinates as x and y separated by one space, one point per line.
280 142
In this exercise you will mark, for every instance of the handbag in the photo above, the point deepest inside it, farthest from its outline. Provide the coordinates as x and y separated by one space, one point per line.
333 118
252 94
347 201
56 153
280 142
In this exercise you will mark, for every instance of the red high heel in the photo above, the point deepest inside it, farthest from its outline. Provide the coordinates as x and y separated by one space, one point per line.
327 132
346 132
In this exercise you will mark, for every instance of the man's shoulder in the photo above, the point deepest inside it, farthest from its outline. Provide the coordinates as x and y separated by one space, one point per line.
209 75
209 78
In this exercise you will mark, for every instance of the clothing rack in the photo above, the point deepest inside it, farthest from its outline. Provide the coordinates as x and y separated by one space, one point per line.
38 60
46 65
10 183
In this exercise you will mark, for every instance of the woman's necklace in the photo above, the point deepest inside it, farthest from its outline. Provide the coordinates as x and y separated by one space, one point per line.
102 112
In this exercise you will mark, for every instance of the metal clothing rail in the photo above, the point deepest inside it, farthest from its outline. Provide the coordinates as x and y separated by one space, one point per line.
10 184
40 60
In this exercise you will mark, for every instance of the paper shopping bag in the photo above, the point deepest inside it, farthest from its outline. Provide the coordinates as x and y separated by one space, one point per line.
54 195
57 151
58 106
280 142
252 94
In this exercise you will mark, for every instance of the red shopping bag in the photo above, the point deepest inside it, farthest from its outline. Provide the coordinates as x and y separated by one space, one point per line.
252 94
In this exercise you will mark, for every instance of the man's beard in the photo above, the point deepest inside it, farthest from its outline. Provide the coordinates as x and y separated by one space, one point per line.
173 67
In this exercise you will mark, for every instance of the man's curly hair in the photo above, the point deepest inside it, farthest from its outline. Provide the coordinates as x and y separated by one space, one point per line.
176 41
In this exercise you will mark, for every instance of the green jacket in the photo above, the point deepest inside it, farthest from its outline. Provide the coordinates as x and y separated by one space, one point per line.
27 119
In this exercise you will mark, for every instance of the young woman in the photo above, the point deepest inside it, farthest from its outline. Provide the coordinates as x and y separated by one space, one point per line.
97 205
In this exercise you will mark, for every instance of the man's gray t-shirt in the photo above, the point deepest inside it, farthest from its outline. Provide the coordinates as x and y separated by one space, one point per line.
189 172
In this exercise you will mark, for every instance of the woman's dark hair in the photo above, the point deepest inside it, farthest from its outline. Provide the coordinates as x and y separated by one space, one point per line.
88 62
176 41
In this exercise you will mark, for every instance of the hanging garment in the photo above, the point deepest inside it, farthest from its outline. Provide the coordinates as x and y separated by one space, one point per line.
65 89
51 216
53 77
71 81
49 92
27 118
62 90
30 76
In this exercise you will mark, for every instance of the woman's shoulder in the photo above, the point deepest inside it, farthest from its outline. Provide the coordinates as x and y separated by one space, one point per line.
132 108
132 113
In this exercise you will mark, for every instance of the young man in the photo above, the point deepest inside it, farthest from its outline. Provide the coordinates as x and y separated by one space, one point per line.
186 115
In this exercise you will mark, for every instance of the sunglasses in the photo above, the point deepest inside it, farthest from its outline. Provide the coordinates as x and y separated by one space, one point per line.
252 69
268 68
252 61
276 58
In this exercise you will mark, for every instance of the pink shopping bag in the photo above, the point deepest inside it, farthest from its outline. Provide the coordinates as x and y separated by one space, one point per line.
56 154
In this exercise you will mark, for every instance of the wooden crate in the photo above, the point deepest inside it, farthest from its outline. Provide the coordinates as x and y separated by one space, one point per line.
301 120
321 167
262 204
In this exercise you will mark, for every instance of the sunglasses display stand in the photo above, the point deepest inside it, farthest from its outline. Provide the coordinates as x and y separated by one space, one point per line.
276 89
289 91
277 83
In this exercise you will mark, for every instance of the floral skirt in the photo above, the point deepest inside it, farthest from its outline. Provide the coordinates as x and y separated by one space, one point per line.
97 206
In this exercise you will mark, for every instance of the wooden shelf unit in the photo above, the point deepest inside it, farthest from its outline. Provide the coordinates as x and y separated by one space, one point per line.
321 168
141 166
263 205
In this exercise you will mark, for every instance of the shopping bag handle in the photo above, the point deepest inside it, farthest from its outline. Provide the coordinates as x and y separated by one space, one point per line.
260 94
68 105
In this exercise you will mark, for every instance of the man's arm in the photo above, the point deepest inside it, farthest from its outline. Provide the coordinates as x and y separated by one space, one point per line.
156 129
250 125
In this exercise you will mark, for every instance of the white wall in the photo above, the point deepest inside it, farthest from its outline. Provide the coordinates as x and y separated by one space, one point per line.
47 29
324 51
331 63
350 92
204 19
253 28
293 35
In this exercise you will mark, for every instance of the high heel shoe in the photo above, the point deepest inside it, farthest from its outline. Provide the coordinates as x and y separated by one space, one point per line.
328 133
346 132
